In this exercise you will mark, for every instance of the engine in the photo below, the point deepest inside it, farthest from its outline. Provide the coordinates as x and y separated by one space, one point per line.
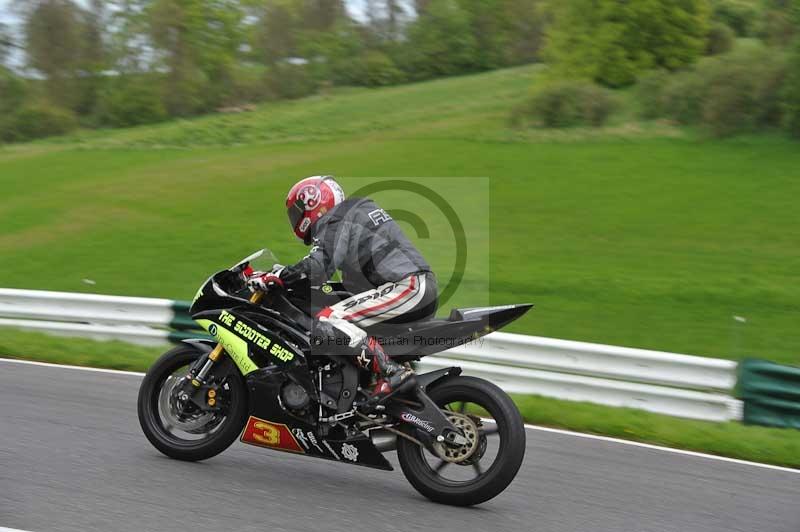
337 392
339 385
294 397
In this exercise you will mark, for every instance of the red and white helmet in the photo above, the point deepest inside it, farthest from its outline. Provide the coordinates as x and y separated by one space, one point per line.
309 200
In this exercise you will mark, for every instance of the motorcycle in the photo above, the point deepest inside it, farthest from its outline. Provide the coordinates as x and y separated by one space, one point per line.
459 440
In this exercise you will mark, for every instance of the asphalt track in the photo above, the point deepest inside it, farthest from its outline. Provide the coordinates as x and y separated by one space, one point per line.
72 458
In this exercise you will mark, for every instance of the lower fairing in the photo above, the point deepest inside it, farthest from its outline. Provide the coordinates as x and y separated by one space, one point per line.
270 426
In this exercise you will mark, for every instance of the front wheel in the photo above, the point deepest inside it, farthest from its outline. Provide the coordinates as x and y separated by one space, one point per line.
178 428
480 470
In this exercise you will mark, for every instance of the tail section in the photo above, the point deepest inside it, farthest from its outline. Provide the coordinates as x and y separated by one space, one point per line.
462 326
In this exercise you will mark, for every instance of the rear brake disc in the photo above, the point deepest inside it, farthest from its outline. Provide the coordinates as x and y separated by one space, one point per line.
461 453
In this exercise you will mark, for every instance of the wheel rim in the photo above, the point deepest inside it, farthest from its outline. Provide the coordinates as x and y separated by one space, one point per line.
185 424
464 466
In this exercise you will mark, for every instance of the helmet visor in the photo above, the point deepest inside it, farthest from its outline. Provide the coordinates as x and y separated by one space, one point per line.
296 213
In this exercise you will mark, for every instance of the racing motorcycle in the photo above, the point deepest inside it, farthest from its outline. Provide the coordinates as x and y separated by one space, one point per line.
459 440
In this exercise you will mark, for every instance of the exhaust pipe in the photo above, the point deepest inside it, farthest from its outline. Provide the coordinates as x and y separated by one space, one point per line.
383 440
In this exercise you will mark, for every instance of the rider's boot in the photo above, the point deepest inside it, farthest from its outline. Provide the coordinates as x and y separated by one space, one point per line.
392 377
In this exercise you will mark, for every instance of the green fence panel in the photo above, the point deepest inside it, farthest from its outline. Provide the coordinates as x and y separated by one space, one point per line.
771 393
181 320
179 336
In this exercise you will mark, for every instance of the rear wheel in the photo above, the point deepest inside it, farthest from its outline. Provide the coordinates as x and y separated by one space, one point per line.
179 428
484 467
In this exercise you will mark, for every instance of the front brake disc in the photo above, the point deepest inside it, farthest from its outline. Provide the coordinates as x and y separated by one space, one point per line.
173 414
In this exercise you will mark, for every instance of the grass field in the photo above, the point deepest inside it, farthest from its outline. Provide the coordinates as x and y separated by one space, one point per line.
641 235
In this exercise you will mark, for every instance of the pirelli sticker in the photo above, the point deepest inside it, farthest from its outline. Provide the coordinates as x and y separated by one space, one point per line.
268 434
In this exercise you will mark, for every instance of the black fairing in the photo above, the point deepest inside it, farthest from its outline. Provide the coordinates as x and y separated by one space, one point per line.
307 438
226 291
463 326
289 314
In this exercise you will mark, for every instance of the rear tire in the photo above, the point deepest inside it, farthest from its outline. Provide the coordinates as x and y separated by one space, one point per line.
509 458
224 432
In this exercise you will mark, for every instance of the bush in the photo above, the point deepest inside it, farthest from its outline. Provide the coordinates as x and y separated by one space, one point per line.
36 121
288 80
247 85
13 91
743 91
730 105
683 97
130 103
649 93
567 104
729 94
189 91
720 39
378 69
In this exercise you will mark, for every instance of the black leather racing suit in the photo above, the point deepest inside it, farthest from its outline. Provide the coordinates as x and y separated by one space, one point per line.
391 280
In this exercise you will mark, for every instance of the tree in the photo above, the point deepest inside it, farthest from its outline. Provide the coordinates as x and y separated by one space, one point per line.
94 53
54 46
93 59
507 32
335 56
321 15
130 46
490 26
6 43
420 6
394 16
527 22
611 41
741 16
387 21
198 41
440 42
275 36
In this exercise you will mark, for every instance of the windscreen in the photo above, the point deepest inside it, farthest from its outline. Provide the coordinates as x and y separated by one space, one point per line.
261 261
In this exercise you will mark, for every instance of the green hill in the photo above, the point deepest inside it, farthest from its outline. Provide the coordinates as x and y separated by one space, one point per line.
638 235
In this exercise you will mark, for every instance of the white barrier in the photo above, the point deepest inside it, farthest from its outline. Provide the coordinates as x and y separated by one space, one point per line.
667 383
623 363
94 308
660 399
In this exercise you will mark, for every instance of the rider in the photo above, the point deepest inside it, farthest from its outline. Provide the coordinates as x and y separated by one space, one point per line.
391 280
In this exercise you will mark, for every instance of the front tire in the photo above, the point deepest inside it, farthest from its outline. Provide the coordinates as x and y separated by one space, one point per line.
483 398
202 435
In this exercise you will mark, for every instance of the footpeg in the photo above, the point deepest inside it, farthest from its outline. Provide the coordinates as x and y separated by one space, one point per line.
376 401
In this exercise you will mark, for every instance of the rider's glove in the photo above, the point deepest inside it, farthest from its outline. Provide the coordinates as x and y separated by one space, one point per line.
264 281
